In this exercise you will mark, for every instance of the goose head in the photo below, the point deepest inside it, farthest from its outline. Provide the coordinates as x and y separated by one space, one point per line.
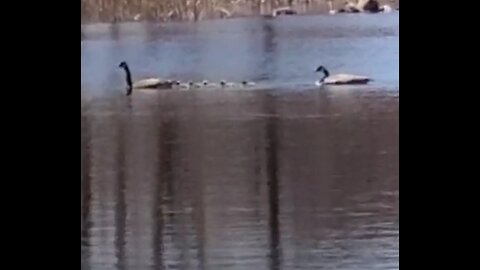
123 64
324 70
320 68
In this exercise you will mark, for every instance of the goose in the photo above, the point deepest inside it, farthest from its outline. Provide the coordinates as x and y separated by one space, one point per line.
187 85
206 83
247 83
340 78
224 83
150 83
178 84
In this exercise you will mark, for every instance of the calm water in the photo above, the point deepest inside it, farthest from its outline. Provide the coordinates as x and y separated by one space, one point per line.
284 176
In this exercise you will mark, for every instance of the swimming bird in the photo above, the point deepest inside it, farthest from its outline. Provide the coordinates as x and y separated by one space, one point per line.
340 78
150 83
207 84
224 83
186 85
247 83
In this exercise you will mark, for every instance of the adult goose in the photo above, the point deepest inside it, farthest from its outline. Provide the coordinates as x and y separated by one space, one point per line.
150 83
340 78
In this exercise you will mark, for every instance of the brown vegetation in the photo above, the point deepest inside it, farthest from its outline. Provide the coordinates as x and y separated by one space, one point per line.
183 10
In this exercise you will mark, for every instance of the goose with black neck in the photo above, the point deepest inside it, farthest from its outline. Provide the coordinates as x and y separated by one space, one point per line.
339 79
148 83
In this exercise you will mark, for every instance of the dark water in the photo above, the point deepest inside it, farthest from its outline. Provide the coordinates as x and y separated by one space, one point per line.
283 177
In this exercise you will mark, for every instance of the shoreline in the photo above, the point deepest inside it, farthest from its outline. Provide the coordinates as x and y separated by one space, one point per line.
232 11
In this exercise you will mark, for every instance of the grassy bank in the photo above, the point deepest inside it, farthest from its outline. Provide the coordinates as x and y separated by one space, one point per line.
193 10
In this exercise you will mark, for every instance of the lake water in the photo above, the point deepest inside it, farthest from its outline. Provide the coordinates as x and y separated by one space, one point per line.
281 176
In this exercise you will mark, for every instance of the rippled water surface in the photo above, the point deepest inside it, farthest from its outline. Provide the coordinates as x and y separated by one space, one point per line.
280 176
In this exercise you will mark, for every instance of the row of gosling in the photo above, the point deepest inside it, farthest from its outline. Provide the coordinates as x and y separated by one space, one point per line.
208 84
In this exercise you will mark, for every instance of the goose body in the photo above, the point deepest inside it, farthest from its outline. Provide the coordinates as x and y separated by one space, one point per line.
340 78
150 83
346 79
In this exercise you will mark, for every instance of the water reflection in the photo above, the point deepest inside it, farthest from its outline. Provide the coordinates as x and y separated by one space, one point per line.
86 189
272 175
114 32
120 205
267 67
241 180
